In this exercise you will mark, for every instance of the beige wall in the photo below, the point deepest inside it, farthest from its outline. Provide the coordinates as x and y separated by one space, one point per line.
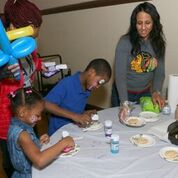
80 36
169 17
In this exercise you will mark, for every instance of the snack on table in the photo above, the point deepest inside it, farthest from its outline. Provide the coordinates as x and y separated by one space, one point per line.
141 140
133 121
171 154
93 126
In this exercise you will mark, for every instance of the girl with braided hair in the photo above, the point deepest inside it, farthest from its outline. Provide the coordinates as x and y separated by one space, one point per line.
27 106
17 14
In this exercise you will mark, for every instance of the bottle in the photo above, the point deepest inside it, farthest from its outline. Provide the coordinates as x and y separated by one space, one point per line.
115 144
95 118
166 109
64 135
108 128
176 112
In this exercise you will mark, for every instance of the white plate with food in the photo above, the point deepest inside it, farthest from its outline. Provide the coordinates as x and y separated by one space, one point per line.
142 140
71 152
149 116
169 153
134 121
93 126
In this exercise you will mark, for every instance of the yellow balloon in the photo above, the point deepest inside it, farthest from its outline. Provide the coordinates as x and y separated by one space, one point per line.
20 32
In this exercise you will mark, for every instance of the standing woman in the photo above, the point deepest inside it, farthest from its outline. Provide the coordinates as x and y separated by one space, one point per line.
140 60
17 14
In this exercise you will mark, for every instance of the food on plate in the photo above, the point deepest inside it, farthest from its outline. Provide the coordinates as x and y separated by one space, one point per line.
141 140
171 154
93 126
133 121
94 123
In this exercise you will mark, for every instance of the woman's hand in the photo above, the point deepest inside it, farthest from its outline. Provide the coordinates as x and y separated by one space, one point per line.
124 111
158 99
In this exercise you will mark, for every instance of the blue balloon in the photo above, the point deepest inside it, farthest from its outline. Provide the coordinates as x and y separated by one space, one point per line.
4 58
23 47
18 49
4 41
12 60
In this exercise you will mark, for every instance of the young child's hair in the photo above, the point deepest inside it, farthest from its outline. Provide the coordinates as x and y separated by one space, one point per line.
101 66
24 97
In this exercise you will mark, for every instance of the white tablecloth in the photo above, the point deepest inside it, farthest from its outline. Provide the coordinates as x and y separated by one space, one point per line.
94 160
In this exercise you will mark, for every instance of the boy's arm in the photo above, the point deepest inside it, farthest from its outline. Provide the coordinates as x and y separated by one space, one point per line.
83 119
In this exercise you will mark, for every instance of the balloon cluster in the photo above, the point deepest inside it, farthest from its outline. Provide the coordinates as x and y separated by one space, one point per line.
19 48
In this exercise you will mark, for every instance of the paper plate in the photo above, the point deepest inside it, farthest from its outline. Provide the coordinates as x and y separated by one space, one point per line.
169 154
72 152
93 126
134 121
149 116
142 140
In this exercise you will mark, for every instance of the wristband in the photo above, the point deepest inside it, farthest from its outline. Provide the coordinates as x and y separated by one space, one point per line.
125 103
159 93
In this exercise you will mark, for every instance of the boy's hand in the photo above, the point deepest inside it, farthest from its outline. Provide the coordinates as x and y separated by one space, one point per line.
44 139
90 112
85 119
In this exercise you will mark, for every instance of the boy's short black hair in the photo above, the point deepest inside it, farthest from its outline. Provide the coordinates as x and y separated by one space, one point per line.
101 66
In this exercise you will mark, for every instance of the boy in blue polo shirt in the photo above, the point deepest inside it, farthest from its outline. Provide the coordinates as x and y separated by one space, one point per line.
67 100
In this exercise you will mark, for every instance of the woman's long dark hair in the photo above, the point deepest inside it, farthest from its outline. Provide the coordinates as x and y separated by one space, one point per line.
156 35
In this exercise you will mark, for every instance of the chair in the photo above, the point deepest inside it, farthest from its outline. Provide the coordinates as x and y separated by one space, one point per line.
45 84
